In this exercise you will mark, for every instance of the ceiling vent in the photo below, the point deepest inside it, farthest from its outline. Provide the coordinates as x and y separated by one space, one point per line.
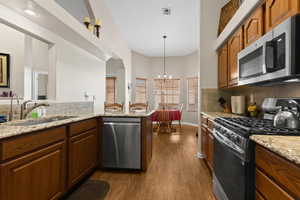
166 11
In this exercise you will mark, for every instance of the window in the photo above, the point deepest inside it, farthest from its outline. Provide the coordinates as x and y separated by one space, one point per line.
167 91
192 88
140 90
111 89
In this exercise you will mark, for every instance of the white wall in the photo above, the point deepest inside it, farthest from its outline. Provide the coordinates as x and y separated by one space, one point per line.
13 42
77 8
141 68
73 71
209 21
179 67
111 36
78 72
115 68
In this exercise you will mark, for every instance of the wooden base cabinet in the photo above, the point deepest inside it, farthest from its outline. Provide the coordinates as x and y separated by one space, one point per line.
276 178
34 166
35 176
210 150
83 155
207 141
204 142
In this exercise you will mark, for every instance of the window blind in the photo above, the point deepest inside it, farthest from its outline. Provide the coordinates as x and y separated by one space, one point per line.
140 90
110 90
192 88
167 91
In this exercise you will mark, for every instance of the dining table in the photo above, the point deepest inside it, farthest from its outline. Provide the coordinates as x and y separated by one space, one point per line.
165 117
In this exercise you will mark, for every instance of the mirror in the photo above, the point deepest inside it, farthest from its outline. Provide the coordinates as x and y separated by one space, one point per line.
115 81
28 66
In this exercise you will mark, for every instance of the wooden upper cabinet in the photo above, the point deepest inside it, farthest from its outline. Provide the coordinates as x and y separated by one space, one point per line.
223 67
235 45
279 10
254 27
36 176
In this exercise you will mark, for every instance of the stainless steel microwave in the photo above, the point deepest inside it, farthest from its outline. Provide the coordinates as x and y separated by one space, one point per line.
274 58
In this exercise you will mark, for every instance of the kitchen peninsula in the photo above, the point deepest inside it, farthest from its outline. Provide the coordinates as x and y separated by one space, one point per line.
67 146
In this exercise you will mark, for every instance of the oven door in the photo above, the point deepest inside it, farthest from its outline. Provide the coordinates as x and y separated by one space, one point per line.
231 173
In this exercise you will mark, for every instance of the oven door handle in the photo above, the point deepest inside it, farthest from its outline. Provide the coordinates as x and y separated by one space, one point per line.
236 150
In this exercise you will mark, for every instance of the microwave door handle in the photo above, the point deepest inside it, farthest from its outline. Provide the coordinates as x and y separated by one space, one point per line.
269 51
264 58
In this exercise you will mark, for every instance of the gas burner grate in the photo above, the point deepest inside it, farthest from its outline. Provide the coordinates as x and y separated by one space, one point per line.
257 126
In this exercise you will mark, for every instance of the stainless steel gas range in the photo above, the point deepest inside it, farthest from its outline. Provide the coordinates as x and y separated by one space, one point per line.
234 172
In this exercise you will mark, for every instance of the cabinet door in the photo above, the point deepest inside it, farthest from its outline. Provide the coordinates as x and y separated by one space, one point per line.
258 196
279 10
253 28
223 67
235 45
83 155
204 142
210 156
36 176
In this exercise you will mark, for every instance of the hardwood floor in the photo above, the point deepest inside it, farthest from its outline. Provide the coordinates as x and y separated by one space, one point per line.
174 174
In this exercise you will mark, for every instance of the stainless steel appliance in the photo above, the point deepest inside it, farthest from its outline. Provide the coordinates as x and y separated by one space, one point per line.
233 162
234 171
284 111
273 58
121 143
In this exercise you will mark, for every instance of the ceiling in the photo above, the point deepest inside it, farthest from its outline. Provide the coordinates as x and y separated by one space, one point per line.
142 24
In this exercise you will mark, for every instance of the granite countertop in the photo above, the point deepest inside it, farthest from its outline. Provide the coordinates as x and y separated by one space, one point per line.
286 146
8 130
214 115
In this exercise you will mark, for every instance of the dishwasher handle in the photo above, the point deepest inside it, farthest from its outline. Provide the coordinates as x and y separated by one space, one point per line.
122 123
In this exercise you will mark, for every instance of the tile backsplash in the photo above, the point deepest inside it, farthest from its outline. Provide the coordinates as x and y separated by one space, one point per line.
259 93
210 96
55 108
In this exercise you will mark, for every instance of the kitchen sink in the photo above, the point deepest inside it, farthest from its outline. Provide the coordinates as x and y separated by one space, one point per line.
32 122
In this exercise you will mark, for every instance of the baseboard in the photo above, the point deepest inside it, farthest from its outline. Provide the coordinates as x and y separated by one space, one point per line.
185 123
200 155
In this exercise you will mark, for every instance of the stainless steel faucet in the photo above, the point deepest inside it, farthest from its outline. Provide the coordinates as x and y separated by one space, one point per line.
25 111
11 112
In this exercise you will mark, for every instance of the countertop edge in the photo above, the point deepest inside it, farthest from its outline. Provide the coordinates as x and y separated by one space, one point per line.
8 131
269 143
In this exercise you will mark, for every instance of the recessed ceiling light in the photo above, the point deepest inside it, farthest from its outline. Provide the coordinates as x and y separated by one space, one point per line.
166 11
30 12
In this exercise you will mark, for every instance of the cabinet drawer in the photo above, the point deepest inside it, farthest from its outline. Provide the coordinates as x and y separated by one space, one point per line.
269 189
204 120
27 143
80 127
282 171
210 125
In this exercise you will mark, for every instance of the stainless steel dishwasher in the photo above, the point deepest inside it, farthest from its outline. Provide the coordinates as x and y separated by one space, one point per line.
121 143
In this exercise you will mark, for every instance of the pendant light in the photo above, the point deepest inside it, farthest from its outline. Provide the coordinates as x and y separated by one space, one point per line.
164 76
